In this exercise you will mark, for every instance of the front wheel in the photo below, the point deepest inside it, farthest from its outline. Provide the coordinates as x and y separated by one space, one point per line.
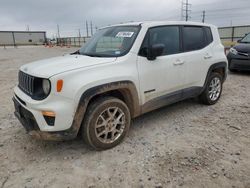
213 89
106 123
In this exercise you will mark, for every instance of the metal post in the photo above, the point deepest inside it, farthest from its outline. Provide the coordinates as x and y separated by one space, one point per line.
14 40
233 34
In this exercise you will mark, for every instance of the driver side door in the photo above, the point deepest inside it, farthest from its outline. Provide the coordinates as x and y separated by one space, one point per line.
163 77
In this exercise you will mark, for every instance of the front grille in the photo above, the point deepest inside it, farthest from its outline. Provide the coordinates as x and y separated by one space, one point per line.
26 82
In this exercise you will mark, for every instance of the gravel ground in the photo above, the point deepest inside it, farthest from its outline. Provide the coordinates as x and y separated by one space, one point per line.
183 145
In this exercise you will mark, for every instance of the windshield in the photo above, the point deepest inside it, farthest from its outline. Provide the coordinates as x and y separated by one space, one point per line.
246 39
111 42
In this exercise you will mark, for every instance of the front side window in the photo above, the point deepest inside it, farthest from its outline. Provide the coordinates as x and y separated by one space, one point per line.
167 35
111 42
193 38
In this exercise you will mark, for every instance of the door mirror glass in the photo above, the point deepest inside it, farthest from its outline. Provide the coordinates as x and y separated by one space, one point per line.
155 50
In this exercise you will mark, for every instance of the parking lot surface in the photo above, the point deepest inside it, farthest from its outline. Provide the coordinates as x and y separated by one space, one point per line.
183 145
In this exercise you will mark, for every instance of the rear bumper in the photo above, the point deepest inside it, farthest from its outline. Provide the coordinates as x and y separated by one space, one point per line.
29 122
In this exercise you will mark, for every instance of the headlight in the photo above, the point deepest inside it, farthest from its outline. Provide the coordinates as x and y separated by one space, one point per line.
233 51
46 86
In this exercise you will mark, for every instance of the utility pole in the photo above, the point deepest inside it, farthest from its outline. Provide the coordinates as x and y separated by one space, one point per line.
91 28
87 28
182 5
79 40
27 28
185 8
58 31
203 16
79 33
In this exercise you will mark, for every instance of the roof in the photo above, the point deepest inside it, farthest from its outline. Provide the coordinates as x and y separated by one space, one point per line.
158 23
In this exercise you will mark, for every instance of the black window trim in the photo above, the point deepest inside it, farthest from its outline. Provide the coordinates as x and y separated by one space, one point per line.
181 41
148 33
204 34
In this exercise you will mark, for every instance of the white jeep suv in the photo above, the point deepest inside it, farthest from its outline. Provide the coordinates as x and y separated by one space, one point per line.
124 71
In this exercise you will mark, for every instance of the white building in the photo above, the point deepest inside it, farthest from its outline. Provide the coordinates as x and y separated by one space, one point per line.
12 38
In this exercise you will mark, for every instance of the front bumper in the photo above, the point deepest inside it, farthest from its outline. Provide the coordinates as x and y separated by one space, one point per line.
28 121
29 114
238 62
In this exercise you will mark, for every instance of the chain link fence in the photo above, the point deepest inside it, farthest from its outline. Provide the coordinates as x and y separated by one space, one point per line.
72 41
230 35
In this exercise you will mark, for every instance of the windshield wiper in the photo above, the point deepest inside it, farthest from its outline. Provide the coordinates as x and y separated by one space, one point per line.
91 55
77 52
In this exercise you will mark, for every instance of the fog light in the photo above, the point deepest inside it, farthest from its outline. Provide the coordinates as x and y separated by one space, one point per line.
49 117
49 113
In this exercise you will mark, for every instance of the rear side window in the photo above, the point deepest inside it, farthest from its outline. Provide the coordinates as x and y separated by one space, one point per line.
193 38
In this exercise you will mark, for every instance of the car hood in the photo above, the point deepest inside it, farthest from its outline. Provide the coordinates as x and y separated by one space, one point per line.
241 47
50 67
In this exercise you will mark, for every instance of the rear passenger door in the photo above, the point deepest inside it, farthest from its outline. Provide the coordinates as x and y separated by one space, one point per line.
197 53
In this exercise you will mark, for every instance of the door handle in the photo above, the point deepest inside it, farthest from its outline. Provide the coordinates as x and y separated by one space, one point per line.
179 62
207 56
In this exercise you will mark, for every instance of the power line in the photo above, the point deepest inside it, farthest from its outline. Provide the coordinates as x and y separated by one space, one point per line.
222 10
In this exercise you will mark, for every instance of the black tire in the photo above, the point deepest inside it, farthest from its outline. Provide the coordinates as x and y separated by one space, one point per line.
204 97
232 70
94 111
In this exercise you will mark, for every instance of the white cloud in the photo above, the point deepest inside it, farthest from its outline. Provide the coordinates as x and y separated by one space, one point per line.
71 15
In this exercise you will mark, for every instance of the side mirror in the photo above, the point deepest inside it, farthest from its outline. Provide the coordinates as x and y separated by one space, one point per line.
239 41
155 51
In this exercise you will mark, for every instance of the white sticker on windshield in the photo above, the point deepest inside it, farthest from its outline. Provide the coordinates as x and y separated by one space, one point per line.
125 34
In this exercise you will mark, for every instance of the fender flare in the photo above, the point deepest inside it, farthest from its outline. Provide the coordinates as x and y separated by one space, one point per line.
213 67
128 90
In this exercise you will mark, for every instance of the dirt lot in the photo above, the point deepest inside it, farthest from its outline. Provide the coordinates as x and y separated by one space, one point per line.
184 145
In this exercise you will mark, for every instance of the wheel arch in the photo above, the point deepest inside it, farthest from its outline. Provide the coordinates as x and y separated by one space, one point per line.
124 90
220 67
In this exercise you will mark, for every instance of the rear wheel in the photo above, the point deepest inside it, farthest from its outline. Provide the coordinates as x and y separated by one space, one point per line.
213 89
106 123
